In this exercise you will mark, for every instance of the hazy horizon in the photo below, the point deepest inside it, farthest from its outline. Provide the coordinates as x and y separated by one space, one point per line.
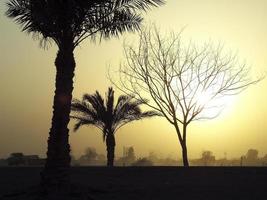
27 78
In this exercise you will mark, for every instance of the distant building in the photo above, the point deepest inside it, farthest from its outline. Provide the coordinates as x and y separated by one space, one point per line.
15 159
34 160
19 159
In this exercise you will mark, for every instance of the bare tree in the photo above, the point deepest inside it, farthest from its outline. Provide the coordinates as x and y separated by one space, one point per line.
184 81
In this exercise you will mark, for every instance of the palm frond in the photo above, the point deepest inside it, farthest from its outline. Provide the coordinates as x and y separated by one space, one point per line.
128 109
128 106
84 109
36 17
93 110
150 114
81 121
97 103
23 13
85 114
120 22
138 4
113 17
78 19
110 100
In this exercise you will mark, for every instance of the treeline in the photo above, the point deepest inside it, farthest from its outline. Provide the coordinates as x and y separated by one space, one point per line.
20 159
251 158
90 157
207 158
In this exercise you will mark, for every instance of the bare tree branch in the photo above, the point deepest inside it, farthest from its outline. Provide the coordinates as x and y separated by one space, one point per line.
183 81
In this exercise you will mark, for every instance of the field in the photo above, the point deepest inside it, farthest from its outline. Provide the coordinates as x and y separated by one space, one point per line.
134 183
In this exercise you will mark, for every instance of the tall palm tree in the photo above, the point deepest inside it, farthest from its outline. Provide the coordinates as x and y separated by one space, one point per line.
107 116
67 23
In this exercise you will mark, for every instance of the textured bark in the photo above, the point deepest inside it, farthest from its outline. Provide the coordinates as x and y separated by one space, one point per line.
110 143
56 172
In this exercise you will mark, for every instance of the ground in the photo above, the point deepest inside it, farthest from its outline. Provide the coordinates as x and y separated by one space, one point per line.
153 183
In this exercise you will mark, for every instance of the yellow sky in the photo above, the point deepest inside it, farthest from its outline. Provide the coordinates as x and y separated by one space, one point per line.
27 76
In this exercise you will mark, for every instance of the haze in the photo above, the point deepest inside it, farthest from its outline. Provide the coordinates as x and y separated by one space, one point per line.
27 77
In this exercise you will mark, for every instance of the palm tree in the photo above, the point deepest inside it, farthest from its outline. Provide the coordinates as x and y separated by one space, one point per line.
67 23
106 116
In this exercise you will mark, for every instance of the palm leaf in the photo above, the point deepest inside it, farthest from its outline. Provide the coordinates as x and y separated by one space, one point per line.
83 108
97 103
93 110
137 4
82 122
110 101
80 18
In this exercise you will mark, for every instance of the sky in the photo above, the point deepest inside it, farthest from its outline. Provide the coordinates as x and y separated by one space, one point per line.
27 78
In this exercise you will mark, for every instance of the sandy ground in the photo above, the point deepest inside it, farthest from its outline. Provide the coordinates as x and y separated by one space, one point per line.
155 183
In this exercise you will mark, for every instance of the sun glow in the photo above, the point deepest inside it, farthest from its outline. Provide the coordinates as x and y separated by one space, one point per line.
201 102
213 106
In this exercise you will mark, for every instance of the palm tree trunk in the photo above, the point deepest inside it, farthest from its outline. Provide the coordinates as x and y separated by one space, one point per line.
55 175
110 143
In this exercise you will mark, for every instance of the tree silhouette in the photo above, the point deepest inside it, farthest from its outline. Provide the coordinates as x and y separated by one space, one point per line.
251 157
16 159
128 156
67 23
207 158
90 153
108 117
89 157
184 81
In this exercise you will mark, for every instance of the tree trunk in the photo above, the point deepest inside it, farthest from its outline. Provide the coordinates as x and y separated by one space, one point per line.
182 141
184 146
184 152
110 143
55 175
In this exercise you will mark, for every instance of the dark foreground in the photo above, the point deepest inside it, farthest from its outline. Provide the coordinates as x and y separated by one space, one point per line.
134 183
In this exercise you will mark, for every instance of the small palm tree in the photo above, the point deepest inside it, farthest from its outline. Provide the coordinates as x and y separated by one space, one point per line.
67 23
106 116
